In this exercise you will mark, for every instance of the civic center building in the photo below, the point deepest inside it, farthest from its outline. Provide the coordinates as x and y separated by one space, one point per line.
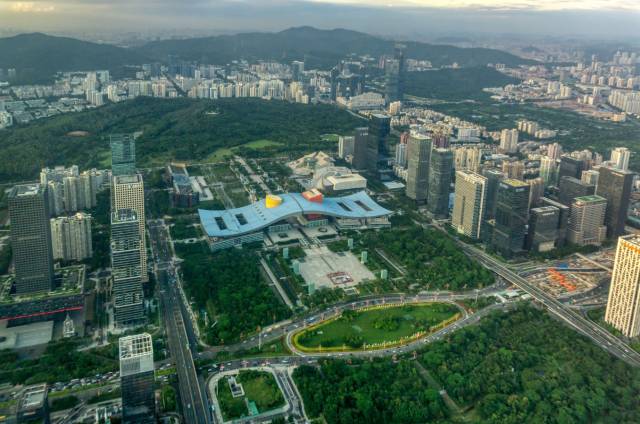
281 213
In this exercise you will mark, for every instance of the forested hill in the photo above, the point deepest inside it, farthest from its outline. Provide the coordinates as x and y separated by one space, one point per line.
38 56
183 129
318 47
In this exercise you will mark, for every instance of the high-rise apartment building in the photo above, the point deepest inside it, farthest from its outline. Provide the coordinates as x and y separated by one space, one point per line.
536 191
512 207
570 188
615 186
123 154
513 169
586 223
126 271
70 191
137 379
401 154
509 140
71 237
623 305
31 238
360 142
620 158
590 177
419 154
127 192
469 203
548 170
440 167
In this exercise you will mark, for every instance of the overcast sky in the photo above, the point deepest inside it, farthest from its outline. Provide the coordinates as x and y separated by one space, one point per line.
412 18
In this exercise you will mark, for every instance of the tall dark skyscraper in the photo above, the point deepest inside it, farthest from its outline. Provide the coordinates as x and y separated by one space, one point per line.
419 152
543 229
615 186
494 176
137 379
123 154
31 238
571 187
512 207
126 270
360 146
379 129
563 218
394 71
440 167
570 167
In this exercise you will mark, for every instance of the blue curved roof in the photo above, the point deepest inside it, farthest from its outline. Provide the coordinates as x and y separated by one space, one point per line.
254 217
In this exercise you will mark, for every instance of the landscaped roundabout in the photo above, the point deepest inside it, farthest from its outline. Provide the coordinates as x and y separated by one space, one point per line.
376 327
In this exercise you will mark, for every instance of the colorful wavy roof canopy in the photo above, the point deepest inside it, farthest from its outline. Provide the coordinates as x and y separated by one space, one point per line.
254 217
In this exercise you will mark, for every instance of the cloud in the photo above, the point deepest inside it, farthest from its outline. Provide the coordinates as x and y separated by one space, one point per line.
30 7
546 5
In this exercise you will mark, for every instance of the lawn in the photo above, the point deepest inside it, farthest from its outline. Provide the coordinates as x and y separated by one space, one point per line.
356 328
259 387
261 144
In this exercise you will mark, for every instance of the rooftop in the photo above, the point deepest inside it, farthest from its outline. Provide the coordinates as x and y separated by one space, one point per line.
33 397
515 183
25 190
135 346
590 199
259 215
127 179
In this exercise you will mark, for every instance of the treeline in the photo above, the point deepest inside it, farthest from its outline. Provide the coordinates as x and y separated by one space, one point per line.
431 258
368 392
524 367
61 361
182 129
228 285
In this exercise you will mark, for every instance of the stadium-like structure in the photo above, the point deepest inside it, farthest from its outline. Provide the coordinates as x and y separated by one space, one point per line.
247 224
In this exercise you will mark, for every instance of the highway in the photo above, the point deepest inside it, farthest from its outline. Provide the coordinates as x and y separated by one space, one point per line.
593 331
195 408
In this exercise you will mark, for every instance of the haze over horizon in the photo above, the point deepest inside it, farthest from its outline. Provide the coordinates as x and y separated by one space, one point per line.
592 19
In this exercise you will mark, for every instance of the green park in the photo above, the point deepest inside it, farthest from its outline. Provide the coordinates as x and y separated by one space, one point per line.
376 327
261 394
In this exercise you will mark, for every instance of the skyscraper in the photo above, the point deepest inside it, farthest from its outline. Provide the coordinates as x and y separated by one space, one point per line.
419 153
512 207
127 192
345 146
401 154
469 204
590 177
623 305
137 379
394 71
71 237
542 235
586 224
570 167
620 158
570 188
123 154
126 271
360 142
563 219
379 129
615 186
31 238
494 176
440 167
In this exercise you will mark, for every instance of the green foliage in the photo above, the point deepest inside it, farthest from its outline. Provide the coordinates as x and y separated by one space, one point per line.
387 323
108 395
370 392
183 228
182 129
261 388
229 287
5 259
59 362
169 399
430 257
67 402
456 84
526 367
